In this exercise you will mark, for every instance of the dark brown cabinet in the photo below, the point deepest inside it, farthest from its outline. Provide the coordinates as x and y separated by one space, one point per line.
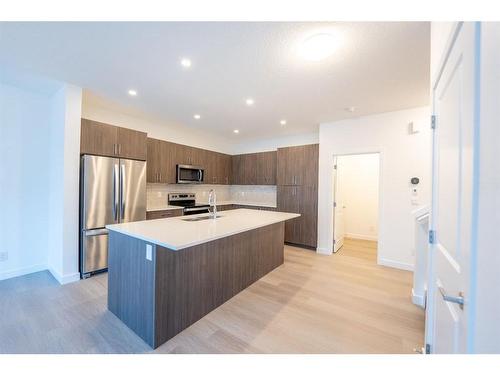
254 169
162 214
298 165
297 192
161 165
97 138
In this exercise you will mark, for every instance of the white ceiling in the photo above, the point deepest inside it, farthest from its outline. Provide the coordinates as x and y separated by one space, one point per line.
378 67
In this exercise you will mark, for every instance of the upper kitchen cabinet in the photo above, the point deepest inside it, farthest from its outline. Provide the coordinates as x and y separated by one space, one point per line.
254 169
161 165
132 144
266 168
98 139
102 139
298 165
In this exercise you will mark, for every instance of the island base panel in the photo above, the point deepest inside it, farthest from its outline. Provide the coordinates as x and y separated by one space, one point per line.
187 284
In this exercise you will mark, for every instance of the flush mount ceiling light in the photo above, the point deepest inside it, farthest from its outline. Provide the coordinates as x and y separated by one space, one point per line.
249 101
196 117
318 46
236 131
283 122
132 92
185 62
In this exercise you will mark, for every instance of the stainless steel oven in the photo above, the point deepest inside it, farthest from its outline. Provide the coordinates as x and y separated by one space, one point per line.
189 174
188 202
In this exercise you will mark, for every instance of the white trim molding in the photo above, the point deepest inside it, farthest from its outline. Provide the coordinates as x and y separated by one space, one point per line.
323 251
357 236
8 274
64 279
395 264
418 299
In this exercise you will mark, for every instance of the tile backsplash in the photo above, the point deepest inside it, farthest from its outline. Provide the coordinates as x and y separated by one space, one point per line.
157 194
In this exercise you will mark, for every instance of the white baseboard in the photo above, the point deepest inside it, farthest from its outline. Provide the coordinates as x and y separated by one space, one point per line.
64 279
323 251
357 236
22 271
417 299
395 264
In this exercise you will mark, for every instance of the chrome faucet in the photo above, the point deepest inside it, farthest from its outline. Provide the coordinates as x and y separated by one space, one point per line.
212 201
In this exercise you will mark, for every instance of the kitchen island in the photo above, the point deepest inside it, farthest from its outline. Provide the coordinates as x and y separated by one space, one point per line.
166 274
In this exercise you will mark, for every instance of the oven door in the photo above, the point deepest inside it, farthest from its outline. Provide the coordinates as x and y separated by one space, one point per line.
189 174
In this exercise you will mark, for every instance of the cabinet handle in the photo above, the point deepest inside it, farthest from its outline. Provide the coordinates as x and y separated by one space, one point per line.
114 148
119 149
160 176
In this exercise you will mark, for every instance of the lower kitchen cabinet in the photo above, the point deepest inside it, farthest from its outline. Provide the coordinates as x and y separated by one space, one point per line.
162 214
302 200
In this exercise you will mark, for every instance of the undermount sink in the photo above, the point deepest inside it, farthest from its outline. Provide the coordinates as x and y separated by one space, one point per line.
200 218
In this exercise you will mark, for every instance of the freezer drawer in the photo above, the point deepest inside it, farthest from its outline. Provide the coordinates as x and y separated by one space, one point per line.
94 254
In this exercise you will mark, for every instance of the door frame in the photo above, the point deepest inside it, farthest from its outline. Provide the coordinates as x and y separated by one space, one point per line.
431 290
380 224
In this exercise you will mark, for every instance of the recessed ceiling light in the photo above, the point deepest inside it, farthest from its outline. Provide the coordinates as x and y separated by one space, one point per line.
132 92
236 131
185 62
318 47
197 117
283 122
249 101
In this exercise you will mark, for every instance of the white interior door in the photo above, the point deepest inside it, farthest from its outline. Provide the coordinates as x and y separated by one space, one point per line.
338 213
451 217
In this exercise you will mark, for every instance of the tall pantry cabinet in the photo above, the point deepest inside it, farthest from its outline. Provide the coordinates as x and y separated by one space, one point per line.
297 188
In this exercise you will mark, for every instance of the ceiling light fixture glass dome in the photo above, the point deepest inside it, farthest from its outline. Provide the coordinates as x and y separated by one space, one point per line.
318 46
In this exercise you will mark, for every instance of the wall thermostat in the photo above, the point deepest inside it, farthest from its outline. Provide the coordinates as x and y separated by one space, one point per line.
415 180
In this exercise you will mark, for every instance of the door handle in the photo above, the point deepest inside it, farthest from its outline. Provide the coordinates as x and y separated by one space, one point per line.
454 299
115 191
122 178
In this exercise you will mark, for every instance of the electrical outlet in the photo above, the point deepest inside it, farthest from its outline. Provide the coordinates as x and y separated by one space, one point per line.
4 256
149 252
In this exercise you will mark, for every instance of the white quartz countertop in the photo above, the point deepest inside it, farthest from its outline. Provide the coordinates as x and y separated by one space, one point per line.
223 203
175 233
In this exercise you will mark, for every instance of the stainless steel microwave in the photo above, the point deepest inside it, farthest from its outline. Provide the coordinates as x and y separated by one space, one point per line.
189 174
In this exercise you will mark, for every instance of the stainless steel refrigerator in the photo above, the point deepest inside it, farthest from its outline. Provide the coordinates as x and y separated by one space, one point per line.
111 191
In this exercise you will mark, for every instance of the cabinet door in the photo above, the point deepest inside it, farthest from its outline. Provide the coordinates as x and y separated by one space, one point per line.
98 138
285 166
153 160
167 162
183 154
310 157
224 169
288 202
266 168
209 164
249 169
132 144
236 170
308 208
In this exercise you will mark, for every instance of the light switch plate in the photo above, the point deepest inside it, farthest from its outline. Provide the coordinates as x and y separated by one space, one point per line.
149 252
4 256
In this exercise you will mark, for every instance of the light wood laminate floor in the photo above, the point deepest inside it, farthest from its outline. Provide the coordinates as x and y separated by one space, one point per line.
343 303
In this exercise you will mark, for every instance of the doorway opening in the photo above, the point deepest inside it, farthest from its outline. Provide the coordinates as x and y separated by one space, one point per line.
356 186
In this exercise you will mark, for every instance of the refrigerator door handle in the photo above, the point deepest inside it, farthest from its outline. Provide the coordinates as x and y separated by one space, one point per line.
122 178
96 232
116 174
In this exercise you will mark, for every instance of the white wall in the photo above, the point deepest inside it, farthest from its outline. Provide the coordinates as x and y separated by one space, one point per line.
357 192
274 143
402 156
158 129
64 161
487 264
24 181
39 176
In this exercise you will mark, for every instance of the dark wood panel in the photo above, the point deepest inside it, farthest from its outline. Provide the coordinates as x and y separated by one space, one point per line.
192 282
153 158
152 215
132 144
97 138
131 284
254 169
